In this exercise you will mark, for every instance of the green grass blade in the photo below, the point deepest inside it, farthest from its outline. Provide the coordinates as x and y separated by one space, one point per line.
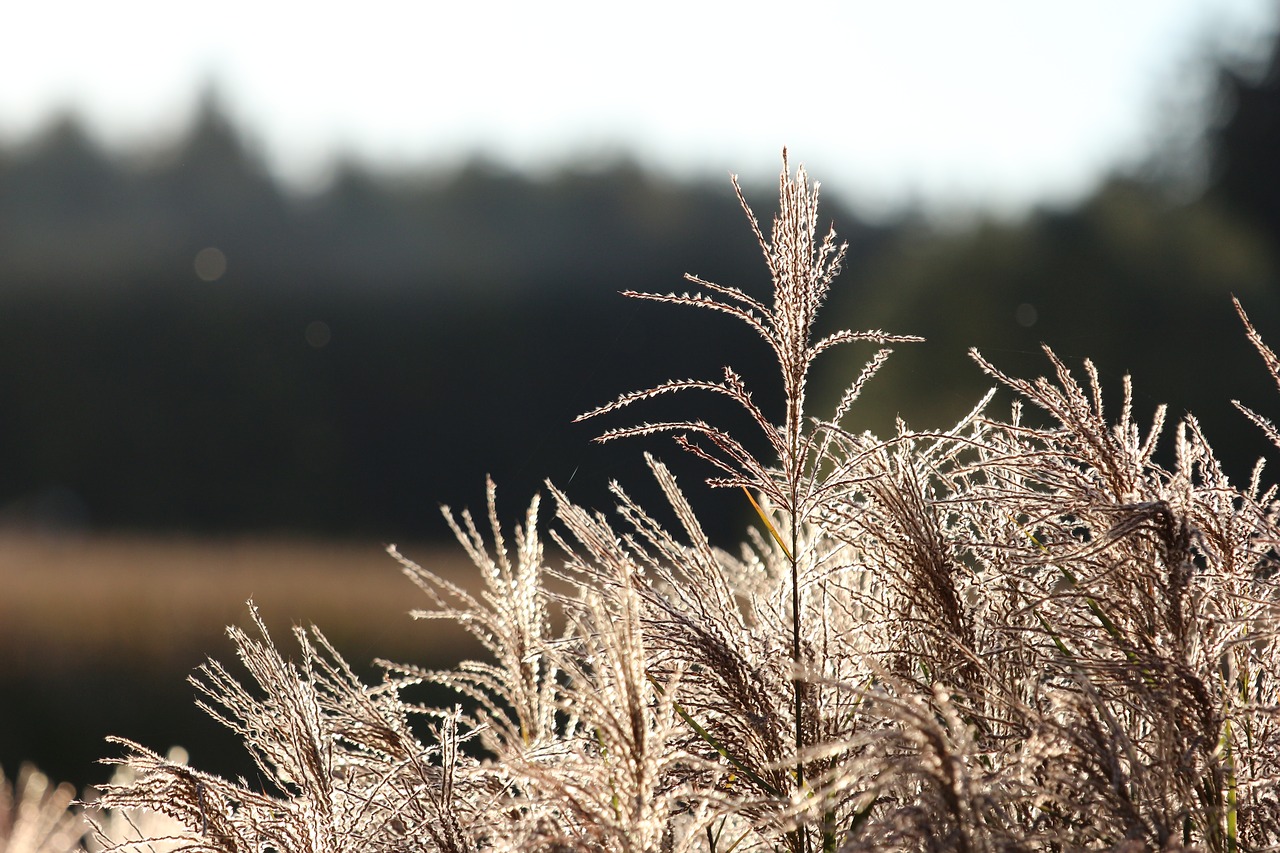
720 748
769 524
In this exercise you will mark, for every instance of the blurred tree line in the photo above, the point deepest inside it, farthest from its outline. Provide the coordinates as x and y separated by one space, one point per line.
1137 277
189 346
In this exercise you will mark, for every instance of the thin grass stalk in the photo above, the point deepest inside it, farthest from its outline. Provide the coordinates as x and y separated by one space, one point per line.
797 689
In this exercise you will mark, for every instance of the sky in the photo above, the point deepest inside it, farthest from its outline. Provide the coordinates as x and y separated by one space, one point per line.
991 104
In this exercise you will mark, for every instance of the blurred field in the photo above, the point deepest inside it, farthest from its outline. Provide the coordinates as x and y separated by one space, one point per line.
137 602
99 633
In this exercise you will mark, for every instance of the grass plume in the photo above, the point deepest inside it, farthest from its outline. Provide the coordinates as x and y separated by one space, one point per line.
992 636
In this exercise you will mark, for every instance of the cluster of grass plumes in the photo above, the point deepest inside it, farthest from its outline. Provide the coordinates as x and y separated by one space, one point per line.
991 637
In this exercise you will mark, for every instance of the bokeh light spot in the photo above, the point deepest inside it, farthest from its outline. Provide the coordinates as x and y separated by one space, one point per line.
318 334
1026 315
211 264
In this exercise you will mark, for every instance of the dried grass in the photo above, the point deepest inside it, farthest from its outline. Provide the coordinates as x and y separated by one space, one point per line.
990 637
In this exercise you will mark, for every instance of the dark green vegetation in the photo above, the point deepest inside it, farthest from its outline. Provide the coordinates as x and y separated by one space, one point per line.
367 353
373 348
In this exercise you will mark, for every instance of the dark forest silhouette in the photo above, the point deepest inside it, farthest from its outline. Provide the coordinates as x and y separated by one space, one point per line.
369 350
365 352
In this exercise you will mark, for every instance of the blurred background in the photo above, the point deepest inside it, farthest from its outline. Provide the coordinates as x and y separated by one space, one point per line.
275 283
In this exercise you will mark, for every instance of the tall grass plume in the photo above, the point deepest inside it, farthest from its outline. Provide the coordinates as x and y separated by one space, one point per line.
990 636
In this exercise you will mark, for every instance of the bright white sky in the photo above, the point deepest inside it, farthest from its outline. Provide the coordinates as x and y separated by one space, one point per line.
981 102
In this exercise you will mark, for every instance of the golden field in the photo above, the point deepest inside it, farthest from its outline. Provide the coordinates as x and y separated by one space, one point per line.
150 604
